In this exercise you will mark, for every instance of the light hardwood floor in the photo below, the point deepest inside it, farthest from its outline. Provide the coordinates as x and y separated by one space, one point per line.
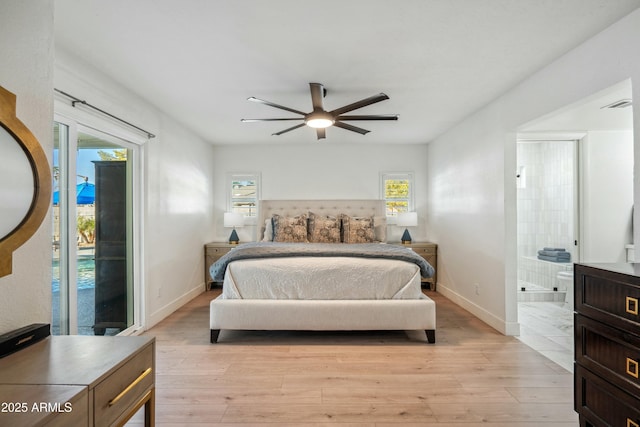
472 375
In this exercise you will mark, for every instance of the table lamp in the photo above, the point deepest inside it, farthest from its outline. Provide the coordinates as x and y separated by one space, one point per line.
407 219
232 219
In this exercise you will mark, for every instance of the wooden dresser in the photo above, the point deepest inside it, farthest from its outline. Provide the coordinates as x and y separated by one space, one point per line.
428 251
212 252
78 381
607 344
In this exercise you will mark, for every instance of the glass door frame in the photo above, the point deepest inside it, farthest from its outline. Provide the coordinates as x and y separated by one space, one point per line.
77 120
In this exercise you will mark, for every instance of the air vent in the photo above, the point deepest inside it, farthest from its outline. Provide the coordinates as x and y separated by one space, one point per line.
623 103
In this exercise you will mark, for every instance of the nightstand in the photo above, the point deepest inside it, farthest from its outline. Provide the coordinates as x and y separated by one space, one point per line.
428 251
212 252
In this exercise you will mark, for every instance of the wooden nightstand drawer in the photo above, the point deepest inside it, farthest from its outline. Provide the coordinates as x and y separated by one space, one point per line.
608 352
216 251
124 388
424 251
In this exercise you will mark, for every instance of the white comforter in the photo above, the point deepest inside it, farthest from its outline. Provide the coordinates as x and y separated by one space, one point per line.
324 278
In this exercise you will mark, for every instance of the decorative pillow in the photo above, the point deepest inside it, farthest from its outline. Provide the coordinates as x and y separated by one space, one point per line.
268 230
380 228
290 229
323 229
357 230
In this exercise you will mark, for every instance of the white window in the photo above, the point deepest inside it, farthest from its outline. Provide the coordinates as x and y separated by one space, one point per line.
396 189
244 193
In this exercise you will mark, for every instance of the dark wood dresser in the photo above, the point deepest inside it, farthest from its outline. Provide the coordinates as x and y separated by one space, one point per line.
607 344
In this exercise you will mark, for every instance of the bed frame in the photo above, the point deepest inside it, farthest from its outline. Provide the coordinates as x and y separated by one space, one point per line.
322 315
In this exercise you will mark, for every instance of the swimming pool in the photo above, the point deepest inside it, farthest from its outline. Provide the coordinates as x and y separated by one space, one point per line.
86 274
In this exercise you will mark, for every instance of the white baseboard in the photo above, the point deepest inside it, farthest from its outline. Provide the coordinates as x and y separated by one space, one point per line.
164 312
505 328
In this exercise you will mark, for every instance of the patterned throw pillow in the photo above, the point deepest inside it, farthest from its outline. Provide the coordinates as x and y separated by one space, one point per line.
357 230
323 229
290 229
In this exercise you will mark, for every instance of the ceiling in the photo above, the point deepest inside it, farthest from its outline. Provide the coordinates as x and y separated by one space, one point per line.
438 60
589 114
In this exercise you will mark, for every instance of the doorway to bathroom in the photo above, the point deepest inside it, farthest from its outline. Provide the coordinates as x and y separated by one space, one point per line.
548 244
574 204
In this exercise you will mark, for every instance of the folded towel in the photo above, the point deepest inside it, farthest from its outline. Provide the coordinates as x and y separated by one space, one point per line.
553 249
553 259
559 254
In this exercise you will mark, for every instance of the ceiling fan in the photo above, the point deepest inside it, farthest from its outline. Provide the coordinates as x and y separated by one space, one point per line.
320 119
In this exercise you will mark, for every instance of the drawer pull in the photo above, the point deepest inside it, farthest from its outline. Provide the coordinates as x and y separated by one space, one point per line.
631 423
632 305
632 368
129 387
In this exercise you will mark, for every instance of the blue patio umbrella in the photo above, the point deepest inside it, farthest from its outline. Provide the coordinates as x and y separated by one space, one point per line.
85 194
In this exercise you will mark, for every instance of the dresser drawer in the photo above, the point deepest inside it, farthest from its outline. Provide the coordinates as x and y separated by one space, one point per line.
608 352
608 296
123 388
602 404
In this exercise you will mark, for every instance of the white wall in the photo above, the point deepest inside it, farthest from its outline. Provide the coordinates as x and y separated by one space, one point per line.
327 170
607 195
178 179
26 69
471 171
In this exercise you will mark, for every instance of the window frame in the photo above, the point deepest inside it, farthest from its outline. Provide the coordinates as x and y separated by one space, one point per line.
408 176
244 176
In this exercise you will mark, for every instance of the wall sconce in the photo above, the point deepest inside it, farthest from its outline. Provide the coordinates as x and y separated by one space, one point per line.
407 219
232 219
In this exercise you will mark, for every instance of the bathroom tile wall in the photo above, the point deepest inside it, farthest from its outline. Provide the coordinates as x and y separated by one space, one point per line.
545 209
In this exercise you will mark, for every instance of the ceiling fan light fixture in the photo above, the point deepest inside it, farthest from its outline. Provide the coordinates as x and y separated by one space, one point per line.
319 123
319 120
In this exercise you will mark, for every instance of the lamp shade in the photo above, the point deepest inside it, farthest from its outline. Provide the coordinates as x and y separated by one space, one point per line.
407 219
232 219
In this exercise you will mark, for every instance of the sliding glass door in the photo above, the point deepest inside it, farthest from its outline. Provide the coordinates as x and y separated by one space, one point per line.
94 286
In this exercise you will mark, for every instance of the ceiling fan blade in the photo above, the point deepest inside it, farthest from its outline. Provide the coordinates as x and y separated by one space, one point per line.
271 104
270 120
321 132
317 93
359 104
289 129
369 117
351 128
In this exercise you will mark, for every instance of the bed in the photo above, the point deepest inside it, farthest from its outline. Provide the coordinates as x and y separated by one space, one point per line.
338 275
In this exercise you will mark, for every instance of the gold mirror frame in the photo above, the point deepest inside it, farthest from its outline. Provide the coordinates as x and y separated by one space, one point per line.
41 179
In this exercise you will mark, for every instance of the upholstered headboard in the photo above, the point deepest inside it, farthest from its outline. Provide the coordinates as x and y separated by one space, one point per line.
359 208
353 208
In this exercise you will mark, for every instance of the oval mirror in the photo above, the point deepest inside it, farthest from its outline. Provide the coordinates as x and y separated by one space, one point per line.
16 184
25 182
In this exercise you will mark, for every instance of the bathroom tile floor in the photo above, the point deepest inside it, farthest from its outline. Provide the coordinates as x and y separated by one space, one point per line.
547 327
